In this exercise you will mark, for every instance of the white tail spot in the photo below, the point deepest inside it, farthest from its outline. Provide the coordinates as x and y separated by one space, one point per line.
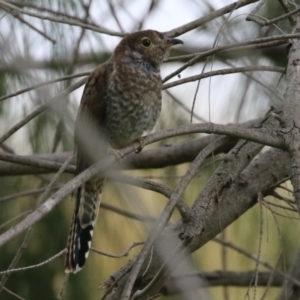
77 268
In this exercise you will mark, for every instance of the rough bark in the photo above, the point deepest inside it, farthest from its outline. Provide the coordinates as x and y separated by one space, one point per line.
240 196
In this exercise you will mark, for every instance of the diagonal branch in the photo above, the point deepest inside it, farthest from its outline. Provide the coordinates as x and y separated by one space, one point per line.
41 109
224 72
215 14
291 113
166 214
271 166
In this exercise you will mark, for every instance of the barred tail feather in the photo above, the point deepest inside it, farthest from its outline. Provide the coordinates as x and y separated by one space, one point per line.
78 248
82 227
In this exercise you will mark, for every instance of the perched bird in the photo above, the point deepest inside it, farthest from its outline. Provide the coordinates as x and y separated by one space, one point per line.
121 100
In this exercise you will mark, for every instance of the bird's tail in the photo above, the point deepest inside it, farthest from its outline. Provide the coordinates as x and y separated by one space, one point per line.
82 227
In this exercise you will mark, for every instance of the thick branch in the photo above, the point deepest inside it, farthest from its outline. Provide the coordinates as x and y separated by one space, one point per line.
147 159
221 278
262 173
289 290
291 113
262 136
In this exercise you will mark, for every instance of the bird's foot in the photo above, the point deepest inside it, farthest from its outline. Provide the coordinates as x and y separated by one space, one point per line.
116 153
141 141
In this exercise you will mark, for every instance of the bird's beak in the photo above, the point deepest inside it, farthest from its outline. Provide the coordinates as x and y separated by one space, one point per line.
172 42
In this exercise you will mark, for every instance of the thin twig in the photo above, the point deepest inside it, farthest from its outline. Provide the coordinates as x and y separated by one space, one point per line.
61 20
287 10
15 218
127 214
184 107
288 201
29 232
251 256
224 257
11 11
34 162
48 10
63 285
207 60
154 296
280 206
162 270
16 258
286 189
60 129
223 72
272 21
55 178
166 214
278 214
184 210
260 200
39 85
259 42
13 294
203 20
113 12
256 9
26 193
226 49
36 265
123 254
41 108
271 278
195 57
258 81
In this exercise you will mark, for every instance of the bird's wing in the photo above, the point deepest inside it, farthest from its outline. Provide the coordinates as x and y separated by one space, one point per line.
89 125
90 147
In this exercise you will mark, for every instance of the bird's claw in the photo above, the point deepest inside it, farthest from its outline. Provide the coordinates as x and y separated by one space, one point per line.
141 141
116 153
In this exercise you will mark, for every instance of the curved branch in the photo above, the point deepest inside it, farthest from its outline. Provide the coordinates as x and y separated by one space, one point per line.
42 108
223 72
259 135
203 20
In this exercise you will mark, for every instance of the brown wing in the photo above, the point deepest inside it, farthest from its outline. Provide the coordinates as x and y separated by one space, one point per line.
89 125
90 147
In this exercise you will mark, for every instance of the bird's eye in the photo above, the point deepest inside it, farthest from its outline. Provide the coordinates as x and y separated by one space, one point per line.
146 42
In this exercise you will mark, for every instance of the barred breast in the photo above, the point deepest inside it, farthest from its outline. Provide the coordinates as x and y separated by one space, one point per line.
133 103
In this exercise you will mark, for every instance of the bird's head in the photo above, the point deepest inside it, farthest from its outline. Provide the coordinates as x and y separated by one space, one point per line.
147 45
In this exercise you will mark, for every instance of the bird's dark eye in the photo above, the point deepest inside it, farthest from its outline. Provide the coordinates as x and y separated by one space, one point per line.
146 42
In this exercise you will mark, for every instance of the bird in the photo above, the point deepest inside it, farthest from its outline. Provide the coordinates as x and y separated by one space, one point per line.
121 100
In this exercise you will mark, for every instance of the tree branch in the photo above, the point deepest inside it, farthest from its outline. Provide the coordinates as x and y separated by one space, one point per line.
271 166
201 21
291 113
220 278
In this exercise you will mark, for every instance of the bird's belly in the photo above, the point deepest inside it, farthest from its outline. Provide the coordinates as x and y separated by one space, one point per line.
128 118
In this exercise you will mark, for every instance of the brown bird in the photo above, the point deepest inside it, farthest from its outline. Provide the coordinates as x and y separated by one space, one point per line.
121 100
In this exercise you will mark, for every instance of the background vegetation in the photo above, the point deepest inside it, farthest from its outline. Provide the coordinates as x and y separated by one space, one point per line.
48 40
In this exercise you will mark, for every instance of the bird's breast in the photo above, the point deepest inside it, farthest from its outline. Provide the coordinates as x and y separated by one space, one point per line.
133 104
